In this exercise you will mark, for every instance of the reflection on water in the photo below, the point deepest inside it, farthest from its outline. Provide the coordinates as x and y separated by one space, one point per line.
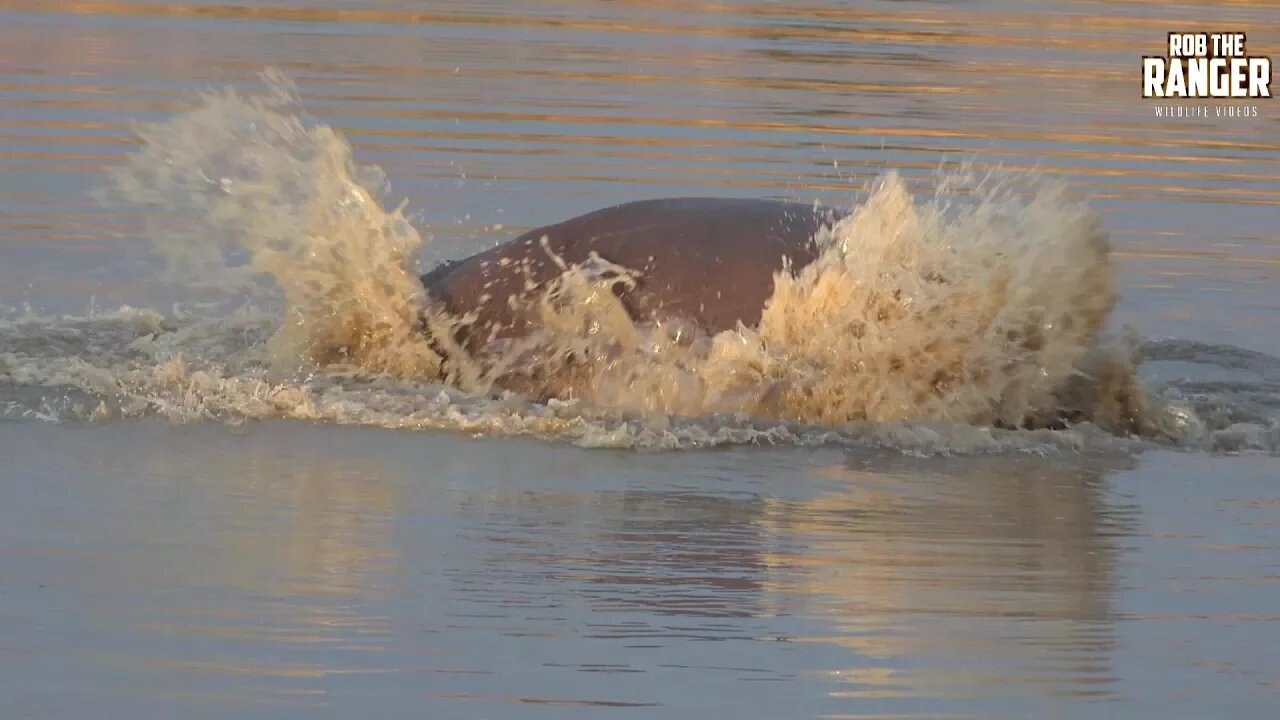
277 567
194 559
988 573
295 566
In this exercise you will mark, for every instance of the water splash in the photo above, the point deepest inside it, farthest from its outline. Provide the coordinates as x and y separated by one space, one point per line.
977 306
245 185
965 322
186 368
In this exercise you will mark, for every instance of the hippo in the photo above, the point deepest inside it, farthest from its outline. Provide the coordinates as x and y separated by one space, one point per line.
706 261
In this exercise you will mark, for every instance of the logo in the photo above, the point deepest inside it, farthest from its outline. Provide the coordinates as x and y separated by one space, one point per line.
1206 65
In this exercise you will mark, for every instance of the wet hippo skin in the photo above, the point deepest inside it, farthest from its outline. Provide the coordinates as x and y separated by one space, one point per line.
710 261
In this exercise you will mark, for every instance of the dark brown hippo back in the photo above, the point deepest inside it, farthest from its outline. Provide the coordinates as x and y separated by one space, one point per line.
708 260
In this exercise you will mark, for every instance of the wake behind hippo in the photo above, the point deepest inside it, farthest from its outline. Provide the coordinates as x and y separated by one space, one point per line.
707 261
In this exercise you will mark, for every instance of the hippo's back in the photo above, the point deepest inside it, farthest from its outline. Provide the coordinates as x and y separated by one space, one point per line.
709 260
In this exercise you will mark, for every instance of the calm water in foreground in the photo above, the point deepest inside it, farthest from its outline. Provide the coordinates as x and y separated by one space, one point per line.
274 568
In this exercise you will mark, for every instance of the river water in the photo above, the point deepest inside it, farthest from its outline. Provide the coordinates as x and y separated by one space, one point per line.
199 519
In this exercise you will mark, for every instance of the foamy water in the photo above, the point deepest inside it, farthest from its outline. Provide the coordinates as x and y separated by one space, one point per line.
937 324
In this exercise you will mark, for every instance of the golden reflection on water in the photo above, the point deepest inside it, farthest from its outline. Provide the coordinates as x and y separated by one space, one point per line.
971 579
969 572
332 568
321 529
279 551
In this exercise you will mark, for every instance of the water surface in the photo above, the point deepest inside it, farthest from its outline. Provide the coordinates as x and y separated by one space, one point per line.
233 567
